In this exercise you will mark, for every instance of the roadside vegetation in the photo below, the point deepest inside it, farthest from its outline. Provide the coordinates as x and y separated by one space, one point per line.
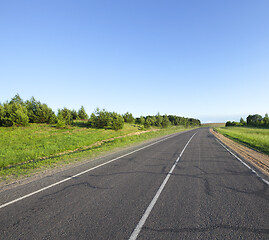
33 137
254 132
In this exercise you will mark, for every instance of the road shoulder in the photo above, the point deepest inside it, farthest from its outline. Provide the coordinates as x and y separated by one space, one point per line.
259 160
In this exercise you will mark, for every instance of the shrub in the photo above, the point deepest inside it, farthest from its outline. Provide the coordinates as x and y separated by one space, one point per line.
66 115
100 119
147 123
117 121
39 113
82 113
60 122
74 114
159 120
140 120
166 123
128 118
13 114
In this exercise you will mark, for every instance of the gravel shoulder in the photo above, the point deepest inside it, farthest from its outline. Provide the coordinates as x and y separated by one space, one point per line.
257 159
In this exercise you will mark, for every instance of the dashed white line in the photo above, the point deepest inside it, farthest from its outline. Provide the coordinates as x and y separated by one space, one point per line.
157 195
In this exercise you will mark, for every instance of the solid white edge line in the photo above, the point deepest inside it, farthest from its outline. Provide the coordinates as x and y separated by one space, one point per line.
142 221
88 170
249 167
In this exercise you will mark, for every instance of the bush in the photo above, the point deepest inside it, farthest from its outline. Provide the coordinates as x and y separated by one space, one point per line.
128 118
13 114
60 122
74 114
100 119
66 116
82 113
147 123
117 121
166 123
39 113
159 120
140 120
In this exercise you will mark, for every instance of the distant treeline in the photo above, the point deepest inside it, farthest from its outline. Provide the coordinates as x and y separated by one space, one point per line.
255 120
17 112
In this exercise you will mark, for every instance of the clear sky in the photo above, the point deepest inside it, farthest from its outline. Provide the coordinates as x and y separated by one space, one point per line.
202 59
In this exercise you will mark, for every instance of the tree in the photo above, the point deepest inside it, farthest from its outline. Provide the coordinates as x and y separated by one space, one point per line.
74 114
266 120
39 112
254 120
140 120
228 124
147 123
17 99
117 121
65 115
159 120
128 117
82 113
165 123
13 114
242 122
100 119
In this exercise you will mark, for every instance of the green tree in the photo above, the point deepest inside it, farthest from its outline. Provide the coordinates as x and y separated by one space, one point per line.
100 119
117 121
74 114
39 112
65 115
266 120
159 120
147 123
82 113
242 122
17 99
128 118
166 123
13 114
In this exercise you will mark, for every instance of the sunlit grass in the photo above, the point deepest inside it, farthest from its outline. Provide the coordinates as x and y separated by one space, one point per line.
256 138
22 148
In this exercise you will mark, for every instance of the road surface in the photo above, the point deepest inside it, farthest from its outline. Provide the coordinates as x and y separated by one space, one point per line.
185 187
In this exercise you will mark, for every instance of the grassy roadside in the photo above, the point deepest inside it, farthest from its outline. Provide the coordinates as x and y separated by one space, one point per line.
255 138
25 151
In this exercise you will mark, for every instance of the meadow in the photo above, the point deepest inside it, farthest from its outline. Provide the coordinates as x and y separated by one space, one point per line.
256 138
23 149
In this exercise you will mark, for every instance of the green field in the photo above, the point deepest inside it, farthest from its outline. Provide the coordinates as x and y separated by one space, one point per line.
23 149
255 138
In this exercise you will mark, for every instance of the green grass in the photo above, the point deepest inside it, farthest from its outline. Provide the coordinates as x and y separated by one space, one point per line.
22 148
255 138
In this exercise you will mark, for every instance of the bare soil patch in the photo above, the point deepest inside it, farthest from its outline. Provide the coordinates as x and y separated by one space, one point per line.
257 159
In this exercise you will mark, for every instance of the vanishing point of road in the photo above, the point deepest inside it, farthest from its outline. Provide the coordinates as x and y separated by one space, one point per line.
185 186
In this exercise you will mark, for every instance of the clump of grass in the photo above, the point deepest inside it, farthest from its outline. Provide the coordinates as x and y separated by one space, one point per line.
255 138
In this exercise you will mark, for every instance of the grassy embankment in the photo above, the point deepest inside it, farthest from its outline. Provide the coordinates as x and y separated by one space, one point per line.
255 138
25 150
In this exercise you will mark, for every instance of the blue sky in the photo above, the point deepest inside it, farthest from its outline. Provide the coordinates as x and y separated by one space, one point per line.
202 59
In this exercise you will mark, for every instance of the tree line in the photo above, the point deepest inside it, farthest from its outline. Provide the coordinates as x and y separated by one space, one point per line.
17 112
255 120
104 119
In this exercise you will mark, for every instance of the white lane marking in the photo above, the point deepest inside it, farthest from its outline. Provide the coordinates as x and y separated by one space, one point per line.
249 167
88 170
154 200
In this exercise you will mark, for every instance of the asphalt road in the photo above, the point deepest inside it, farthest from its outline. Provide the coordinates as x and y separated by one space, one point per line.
208 194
